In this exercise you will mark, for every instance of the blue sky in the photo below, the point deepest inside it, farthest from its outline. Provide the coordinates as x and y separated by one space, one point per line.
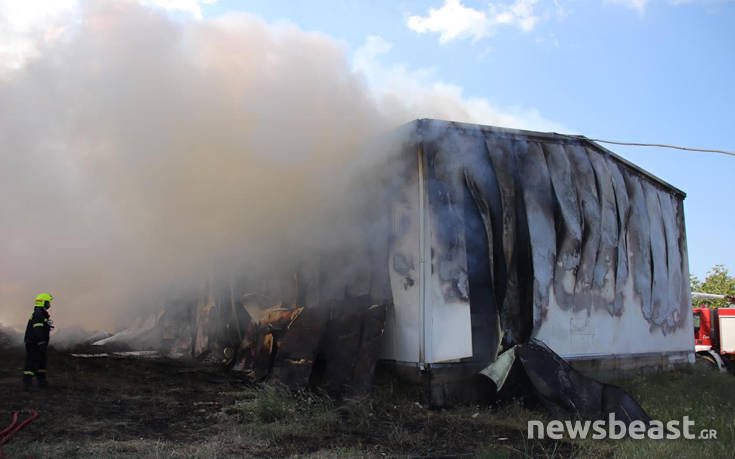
649 71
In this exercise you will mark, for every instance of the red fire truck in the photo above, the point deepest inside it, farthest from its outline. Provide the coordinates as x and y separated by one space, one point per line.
714 332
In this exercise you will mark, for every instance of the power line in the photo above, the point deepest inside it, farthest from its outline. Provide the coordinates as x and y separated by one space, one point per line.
661 145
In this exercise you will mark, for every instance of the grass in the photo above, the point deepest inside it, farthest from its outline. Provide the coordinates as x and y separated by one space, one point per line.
268 421
702 394
388 418
388 422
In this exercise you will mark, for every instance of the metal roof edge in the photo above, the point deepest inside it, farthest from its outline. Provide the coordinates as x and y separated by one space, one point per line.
635 167
422 124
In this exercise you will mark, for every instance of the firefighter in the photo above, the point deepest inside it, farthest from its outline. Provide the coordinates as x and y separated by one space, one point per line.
36 339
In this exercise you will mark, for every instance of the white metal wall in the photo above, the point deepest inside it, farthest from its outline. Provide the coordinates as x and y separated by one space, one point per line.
403 327
579 334
424 328
421 327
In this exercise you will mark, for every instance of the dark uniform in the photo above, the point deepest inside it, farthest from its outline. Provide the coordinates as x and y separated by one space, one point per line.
36 339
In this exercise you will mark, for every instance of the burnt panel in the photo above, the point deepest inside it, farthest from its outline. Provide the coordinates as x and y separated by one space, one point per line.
483 309
622 205
516 311
586 182
539 203
606 265
298 347
568 224
639 244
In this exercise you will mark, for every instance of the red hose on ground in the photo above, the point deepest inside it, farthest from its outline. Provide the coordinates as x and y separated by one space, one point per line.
6 438
12 424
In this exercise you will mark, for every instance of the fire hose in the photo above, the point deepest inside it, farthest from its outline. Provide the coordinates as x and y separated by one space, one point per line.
13 429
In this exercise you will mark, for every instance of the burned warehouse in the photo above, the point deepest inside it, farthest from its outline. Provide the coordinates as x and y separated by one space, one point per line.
481 239
504 235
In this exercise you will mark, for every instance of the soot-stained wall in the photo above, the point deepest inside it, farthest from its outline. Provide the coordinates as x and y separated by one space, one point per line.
554 237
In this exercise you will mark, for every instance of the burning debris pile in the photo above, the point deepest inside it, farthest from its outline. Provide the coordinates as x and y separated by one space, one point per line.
283 333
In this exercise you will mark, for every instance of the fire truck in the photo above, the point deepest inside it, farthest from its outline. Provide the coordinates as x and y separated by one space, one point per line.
714 332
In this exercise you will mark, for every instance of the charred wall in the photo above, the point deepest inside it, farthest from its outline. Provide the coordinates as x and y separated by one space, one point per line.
544 224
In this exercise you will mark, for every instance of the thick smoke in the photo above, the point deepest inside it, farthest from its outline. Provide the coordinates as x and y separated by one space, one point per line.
143 152
139 151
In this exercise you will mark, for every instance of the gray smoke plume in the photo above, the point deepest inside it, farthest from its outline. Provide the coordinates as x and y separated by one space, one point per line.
138 151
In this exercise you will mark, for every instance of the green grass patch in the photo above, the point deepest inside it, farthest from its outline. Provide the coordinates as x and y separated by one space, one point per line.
702 394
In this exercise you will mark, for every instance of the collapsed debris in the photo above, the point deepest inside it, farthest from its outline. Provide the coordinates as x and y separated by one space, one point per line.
303 329
334 346
137 354
564 391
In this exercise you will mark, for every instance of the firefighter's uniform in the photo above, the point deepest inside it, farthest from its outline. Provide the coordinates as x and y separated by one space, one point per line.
36 339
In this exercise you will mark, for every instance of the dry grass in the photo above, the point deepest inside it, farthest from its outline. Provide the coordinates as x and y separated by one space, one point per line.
141 409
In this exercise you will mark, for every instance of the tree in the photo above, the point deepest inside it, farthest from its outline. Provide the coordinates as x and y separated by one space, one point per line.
718 281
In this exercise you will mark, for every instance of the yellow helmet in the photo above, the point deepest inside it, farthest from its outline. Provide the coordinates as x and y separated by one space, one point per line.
41 299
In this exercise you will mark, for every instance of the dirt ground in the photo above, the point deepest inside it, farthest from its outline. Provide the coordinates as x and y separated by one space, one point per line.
116 398
137 407
125 407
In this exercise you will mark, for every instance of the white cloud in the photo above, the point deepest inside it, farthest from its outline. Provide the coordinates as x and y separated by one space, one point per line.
519 14
456 21
453 20
408 93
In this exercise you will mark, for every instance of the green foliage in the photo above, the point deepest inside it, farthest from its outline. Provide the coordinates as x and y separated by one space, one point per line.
275 404
718 281
269 404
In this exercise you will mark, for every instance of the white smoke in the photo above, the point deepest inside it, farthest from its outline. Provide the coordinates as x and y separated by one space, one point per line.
138 150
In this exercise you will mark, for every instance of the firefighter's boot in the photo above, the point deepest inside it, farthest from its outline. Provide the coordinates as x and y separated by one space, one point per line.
27 381
42 383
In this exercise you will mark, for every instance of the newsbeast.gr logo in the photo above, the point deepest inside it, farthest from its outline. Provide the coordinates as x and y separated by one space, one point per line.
615 429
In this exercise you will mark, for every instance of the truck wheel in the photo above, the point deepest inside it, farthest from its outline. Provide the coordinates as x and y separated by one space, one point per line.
729 365
706 360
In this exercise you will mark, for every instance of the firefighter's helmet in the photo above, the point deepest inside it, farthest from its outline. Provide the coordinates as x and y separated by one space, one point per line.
43 300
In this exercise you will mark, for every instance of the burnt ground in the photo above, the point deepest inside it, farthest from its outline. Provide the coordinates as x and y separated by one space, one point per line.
124 407
116 397
151 408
